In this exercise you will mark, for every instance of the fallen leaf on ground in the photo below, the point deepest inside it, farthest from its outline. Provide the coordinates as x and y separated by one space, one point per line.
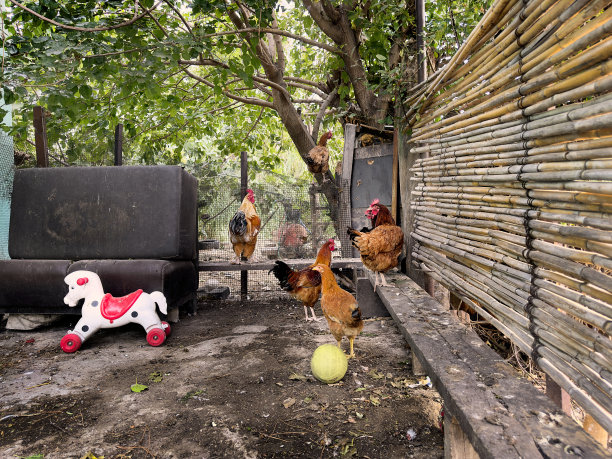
156 376
288 402
297 377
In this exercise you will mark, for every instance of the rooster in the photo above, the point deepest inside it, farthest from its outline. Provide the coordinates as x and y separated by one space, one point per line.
317 159
380 246
339 308
304 285
244 227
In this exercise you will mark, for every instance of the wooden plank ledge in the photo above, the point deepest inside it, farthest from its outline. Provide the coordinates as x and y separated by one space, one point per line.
502 414
268 264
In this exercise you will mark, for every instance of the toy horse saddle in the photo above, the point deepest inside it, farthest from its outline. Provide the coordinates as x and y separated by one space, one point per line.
113 308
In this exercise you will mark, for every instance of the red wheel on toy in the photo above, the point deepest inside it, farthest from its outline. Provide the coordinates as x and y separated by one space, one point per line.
70 343
156 337
167 329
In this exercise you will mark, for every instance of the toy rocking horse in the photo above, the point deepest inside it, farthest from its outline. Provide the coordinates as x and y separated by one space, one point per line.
104 311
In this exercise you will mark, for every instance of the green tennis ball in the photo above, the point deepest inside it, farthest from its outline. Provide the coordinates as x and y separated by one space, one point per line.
328 363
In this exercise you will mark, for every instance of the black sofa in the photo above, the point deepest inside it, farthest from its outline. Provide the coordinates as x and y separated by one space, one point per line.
136 226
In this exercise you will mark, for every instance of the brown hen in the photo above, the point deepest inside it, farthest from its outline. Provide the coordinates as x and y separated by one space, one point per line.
339 308
304 285
380 246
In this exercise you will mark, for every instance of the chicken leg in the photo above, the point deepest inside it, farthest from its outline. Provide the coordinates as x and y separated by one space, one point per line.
314 316
352 354
384 282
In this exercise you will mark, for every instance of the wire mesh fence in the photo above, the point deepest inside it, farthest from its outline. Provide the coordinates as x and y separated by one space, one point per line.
295 221
6 186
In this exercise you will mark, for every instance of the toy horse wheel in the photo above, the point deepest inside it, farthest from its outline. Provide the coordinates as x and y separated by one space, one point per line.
70 343
156 337
167 329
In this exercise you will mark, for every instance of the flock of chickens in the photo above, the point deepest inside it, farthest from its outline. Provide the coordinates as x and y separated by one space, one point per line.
379 246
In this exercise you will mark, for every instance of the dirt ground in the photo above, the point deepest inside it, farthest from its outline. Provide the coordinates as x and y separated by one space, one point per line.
232 381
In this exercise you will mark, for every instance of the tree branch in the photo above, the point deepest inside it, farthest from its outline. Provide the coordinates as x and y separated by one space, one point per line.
284 33
246 100
319 118
308 88
179 15
85 29
316 12
213 63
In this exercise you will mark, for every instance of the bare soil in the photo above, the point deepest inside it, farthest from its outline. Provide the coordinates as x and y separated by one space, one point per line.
232 381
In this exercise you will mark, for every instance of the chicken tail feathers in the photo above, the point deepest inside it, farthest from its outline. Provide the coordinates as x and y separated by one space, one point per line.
238 223
282 271
352 235
356 314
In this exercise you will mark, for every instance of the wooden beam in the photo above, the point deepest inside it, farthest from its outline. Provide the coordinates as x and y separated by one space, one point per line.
502 414
40 137
268 265
395 179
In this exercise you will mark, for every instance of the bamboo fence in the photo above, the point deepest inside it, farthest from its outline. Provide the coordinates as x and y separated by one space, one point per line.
512 185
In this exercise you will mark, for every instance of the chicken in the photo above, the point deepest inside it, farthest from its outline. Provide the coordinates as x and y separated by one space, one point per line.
339 308
244 227
292 235
304 285
317 159
380 246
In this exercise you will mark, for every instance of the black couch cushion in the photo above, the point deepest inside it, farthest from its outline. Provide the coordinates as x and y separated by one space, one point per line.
77 213
33 286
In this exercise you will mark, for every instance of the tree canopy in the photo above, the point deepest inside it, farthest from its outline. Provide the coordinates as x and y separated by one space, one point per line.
202 80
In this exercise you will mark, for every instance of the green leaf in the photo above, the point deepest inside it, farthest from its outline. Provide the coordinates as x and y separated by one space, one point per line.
85 91
138 387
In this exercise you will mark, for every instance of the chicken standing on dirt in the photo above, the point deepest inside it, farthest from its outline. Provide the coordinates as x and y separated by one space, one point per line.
317 159
339 308
244 227
304 285
379 247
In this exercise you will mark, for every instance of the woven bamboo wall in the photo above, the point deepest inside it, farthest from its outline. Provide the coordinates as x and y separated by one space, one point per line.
512 188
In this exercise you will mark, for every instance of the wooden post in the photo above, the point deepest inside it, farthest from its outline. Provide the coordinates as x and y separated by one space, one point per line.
119 145
417 368
420 20
394 180
595 430
350 131
244 180
456 443
40 137
561 398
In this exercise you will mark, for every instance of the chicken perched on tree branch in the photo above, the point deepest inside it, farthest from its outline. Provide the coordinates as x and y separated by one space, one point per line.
304 285
380 246
317 159
339 308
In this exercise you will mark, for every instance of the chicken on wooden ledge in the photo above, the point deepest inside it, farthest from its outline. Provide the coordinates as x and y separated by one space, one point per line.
243 229
339 308
380 246
304 285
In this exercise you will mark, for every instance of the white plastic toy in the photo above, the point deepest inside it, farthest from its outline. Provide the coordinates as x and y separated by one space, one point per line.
105 311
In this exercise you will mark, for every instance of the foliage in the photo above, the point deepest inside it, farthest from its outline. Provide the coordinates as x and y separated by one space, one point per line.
187 87
449 23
